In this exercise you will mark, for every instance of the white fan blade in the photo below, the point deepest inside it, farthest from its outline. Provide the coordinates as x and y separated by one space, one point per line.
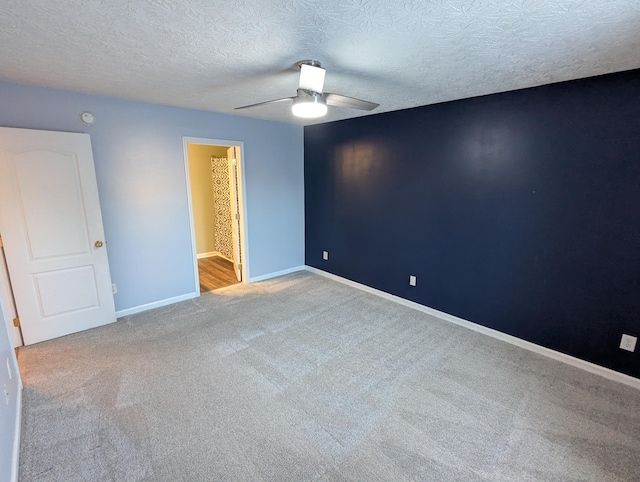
344 101
311 78
263 103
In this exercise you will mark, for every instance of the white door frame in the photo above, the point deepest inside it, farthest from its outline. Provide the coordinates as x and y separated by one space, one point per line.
241 202
6 300
232 166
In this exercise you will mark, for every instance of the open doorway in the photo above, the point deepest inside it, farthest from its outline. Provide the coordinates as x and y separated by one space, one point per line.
214 174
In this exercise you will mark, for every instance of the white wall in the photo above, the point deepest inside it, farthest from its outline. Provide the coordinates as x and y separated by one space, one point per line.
138 153
9 413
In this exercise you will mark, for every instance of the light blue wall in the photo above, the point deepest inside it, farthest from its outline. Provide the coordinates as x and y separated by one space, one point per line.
8 414
139 160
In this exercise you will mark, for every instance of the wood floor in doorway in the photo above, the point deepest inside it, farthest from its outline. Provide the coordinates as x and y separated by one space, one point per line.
215 272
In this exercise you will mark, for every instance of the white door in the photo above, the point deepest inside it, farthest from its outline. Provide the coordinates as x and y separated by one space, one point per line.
235 211
52 232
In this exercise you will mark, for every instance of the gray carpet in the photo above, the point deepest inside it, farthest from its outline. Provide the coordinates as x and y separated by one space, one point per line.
303 378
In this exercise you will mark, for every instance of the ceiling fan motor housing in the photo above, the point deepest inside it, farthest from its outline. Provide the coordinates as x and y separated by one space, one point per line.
312 63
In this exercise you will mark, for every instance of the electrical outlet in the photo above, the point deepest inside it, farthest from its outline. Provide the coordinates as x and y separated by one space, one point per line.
325 255
628 342
412 280
114 288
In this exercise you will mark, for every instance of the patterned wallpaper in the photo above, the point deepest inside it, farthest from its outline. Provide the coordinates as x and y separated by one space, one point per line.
223 211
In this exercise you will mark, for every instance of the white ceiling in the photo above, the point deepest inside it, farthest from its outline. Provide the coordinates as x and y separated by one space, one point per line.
216 55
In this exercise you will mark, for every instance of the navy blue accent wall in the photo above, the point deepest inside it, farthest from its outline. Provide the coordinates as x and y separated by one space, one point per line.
518 211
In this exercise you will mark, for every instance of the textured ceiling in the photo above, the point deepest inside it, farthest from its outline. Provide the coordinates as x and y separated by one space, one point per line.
217 55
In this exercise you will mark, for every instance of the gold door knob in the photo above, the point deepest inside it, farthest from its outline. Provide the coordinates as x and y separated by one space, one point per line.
98 244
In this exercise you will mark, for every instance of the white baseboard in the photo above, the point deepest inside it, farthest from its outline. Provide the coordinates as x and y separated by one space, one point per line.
212 254
527 345
209 254
155 304
276 274
16 439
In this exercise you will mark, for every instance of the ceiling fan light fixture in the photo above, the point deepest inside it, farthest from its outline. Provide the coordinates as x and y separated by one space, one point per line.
311 76
309 107
311 101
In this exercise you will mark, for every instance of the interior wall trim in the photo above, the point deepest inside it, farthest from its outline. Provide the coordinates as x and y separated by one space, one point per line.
275 274
155 304
541 350
209 254
16 438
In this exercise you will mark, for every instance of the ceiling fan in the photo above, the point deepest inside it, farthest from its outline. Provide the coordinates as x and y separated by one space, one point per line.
310 102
